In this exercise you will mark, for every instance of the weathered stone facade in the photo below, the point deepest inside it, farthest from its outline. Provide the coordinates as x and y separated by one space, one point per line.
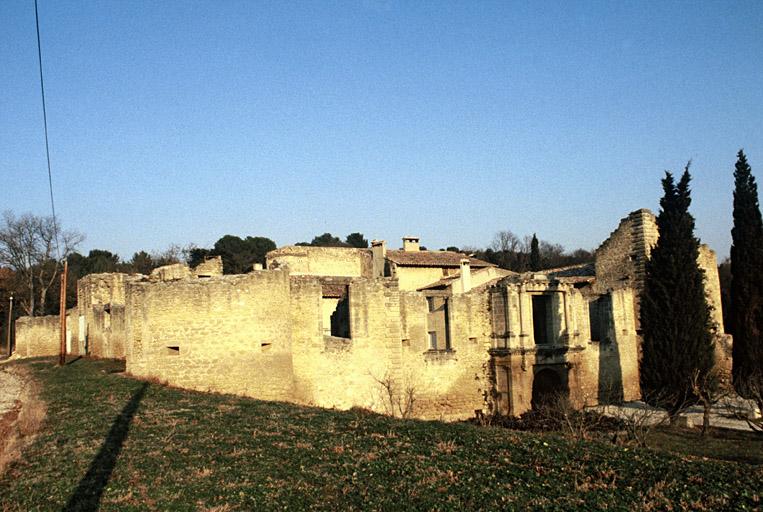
621 259
434 334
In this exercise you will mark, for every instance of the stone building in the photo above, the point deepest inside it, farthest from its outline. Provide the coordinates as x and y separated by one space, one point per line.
435 334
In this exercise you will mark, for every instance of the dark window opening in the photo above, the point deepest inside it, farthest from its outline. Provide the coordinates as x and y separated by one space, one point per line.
173 351
340 318
598 318
335 305
548 389
542 319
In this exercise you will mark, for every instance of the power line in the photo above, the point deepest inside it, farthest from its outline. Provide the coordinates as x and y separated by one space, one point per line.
45 124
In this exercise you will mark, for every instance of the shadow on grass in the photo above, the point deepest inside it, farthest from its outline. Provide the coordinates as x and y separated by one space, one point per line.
73 360
88 494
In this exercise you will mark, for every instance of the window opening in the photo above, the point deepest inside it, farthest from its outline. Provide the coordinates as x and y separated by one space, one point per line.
542 319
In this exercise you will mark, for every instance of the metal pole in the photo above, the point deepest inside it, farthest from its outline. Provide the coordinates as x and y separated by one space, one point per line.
62 312
9 327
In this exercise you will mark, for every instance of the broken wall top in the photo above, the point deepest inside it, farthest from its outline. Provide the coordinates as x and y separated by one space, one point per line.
322 261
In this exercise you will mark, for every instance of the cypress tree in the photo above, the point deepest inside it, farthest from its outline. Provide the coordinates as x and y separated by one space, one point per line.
746 282
534 254
675 317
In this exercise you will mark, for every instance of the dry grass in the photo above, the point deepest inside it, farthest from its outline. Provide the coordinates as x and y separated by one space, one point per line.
19 426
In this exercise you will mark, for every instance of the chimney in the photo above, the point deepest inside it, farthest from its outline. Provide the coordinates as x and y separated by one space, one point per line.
411 244
466 275
378 257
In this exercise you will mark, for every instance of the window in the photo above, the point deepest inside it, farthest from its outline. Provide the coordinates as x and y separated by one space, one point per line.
335 307
598 317
542 326
438 323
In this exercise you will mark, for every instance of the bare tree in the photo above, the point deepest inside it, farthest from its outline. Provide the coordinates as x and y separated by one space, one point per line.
640 422
175 253
577 423
749 410
395 402
506 241
28 246
710 388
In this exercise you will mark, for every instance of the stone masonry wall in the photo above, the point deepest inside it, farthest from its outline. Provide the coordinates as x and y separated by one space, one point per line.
41 335
593 371
709 264
343 373
620 259
38 336
101 300
228 334
447 384
322 261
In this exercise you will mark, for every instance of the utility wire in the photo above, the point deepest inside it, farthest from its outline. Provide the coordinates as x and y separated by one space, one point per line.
45 124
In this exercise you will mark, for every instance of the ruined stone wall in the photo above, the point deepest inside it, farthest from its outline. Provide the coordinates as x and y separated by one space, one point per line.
41 335
173 272
211 267
709 264
228 334
101 300
608 369
106 331
621 259
451 384
342 373
593 371
99 289
38 336
322 261
73 347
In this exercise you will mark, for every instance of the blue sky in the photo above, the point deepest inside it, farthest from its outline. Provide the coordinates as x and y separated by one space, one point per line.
183 121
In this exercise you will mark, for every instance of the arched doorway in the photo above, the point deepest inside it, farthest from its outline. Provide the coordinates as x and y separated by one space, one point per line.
547 388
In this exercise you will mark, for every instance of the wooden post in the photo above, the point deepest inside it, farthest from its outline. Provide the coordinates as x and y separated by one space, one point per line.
8 334
62 312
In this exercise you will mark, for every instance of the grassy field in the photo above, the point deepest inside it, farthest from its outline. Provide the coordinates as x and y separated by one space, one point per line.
124 444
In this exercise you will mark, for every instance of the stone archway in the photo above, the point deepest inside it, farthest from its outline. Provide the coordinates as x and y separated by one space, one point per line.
548 387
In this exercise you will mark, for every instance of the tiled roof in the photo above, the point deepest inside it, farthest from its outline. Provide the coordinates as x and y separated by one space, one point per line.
433 259
442 283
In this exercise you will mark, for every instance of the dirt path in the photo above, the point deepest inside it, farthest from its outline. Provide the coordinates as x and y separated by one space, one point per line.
10 390
21 414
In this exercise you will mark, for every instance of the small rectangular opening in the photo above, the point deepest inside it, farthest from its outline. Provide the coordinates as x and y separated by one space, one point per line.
173 351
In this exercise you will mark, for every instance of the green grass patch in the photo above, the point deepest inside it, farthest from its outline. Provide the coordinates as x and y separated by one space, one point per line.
721 444
123 444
